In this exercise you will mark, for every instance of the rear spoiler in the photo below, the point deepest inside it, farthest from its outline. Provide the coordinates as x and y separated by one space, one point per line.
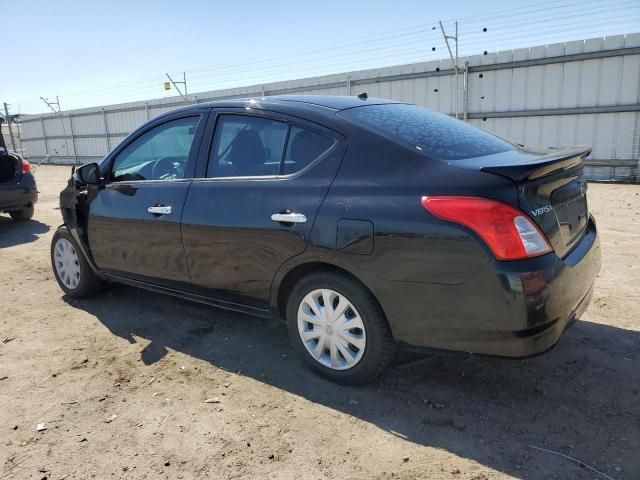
541 166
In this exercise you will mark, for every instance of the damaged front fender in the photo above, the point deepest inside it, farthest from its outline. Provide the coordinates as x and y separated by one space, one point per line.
74 206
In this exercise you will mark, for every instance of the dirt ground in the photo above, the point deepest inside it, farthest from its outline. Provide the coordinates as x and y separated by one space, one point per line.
120 382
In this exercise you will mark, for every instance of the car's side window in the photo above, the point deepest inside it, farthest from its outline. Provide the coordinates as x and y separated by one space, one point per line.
159 154
245 146
303 147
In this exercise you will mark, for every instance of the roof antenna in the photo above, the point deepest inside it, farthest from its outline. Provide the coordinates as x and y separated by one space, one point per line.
363 96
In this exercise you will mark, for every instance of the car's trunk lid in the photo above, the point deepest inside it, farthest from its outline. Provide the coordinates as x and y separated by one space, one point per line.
551 189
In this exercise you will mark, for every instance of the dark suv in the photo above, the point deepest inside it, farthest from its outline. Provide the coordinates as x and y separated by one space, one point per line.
18 191
365 224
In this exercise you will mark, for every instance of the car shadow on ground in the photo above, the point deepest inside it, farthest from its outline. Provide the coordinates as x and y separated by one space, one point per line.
580 399
16 233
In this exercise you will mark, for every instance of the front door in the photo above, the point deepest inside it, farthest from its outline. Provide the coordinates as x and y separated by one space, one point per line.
254 208
134 220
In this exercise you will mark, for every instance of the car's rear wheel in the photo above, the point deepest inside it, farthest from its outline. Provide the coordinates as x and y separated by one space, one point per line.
338 328
22 215
72 271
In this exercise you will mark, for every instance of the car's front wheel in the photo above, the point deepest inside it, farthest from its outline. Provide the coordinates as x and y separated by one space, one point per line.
71 269
338 328
22 215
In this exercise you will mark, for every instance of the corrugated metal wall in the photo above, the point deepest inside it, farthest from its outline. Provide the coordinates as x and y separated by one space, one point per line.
583 92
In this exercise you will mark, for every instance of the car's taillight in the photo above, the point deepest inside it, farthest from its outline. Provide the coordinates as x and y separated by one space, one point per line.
506 230
26 167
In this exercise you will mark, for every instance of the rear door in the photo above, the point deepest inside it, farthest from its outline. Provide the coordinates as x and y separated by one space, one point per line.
134 220
263 178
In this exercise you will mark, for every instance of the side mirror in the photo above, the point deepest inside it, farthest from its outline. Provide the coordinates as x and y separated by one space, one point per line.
88 174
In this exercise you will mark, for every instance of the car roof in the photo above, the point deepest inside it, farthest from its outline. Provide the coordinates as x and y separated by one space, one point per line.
313 102
333 102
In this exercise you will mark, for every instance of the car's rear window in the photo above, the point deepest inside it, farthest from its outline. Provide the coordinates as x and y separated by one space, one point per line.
433 134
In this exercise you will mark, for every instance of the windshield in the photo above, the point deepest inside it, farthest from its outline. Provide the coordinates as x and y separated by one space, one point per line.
433 134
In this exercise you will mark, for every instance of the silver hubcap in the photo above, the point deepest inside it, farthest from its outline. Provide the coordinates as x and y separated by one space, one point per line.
67 263
331 329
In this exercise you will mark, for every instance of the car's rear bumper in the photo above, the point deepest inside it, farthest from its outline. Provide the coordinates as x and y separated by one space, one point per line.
510 309
18 195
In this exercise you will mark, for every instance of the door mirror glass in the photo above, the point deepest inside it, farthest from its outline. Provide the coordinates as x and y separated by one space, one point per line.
88 174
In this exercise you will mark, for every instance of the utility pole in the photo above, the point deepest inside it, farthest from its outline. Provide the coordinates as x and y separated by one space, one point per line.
6 112
59 112
183 82
455 61
51 104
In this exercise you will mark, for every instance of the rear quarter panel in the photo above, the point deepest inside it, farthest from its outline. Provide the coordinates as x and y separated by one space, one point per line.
383 183
419 264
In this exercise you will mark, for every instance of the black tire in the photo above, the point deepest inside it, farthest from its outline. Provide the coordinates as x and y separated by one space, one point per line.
22 215
89 283
380 346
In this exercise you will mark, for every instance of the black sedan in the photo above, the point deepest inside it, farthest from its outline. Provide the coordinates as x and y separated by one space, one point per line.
364 224
18 191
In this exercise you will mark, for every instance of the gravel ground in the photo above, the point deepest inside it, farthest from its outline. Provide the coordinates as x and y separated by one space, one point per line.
120 382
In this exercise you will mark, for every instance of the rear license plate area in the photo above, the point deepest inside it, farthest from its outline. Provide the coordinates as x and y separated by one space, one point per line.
570 205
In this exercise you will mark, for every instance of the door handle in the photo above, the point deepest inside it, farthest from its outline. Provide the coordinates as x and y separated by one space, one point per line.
289 217
160 209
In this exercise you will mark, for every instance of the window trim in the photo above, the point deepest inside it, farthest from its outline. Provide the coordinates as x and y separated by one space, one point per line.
265 115
106 165
285 147
319 158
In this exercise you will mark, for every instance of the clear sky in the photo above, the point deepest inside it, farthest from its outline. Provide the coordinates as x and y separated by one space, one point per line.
101 52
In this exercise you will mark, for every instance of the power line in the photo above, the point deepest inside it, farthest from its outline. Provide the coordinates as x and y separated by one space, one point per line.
252 64
403 53
288 57
403 45
422 28
404 48
579 31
